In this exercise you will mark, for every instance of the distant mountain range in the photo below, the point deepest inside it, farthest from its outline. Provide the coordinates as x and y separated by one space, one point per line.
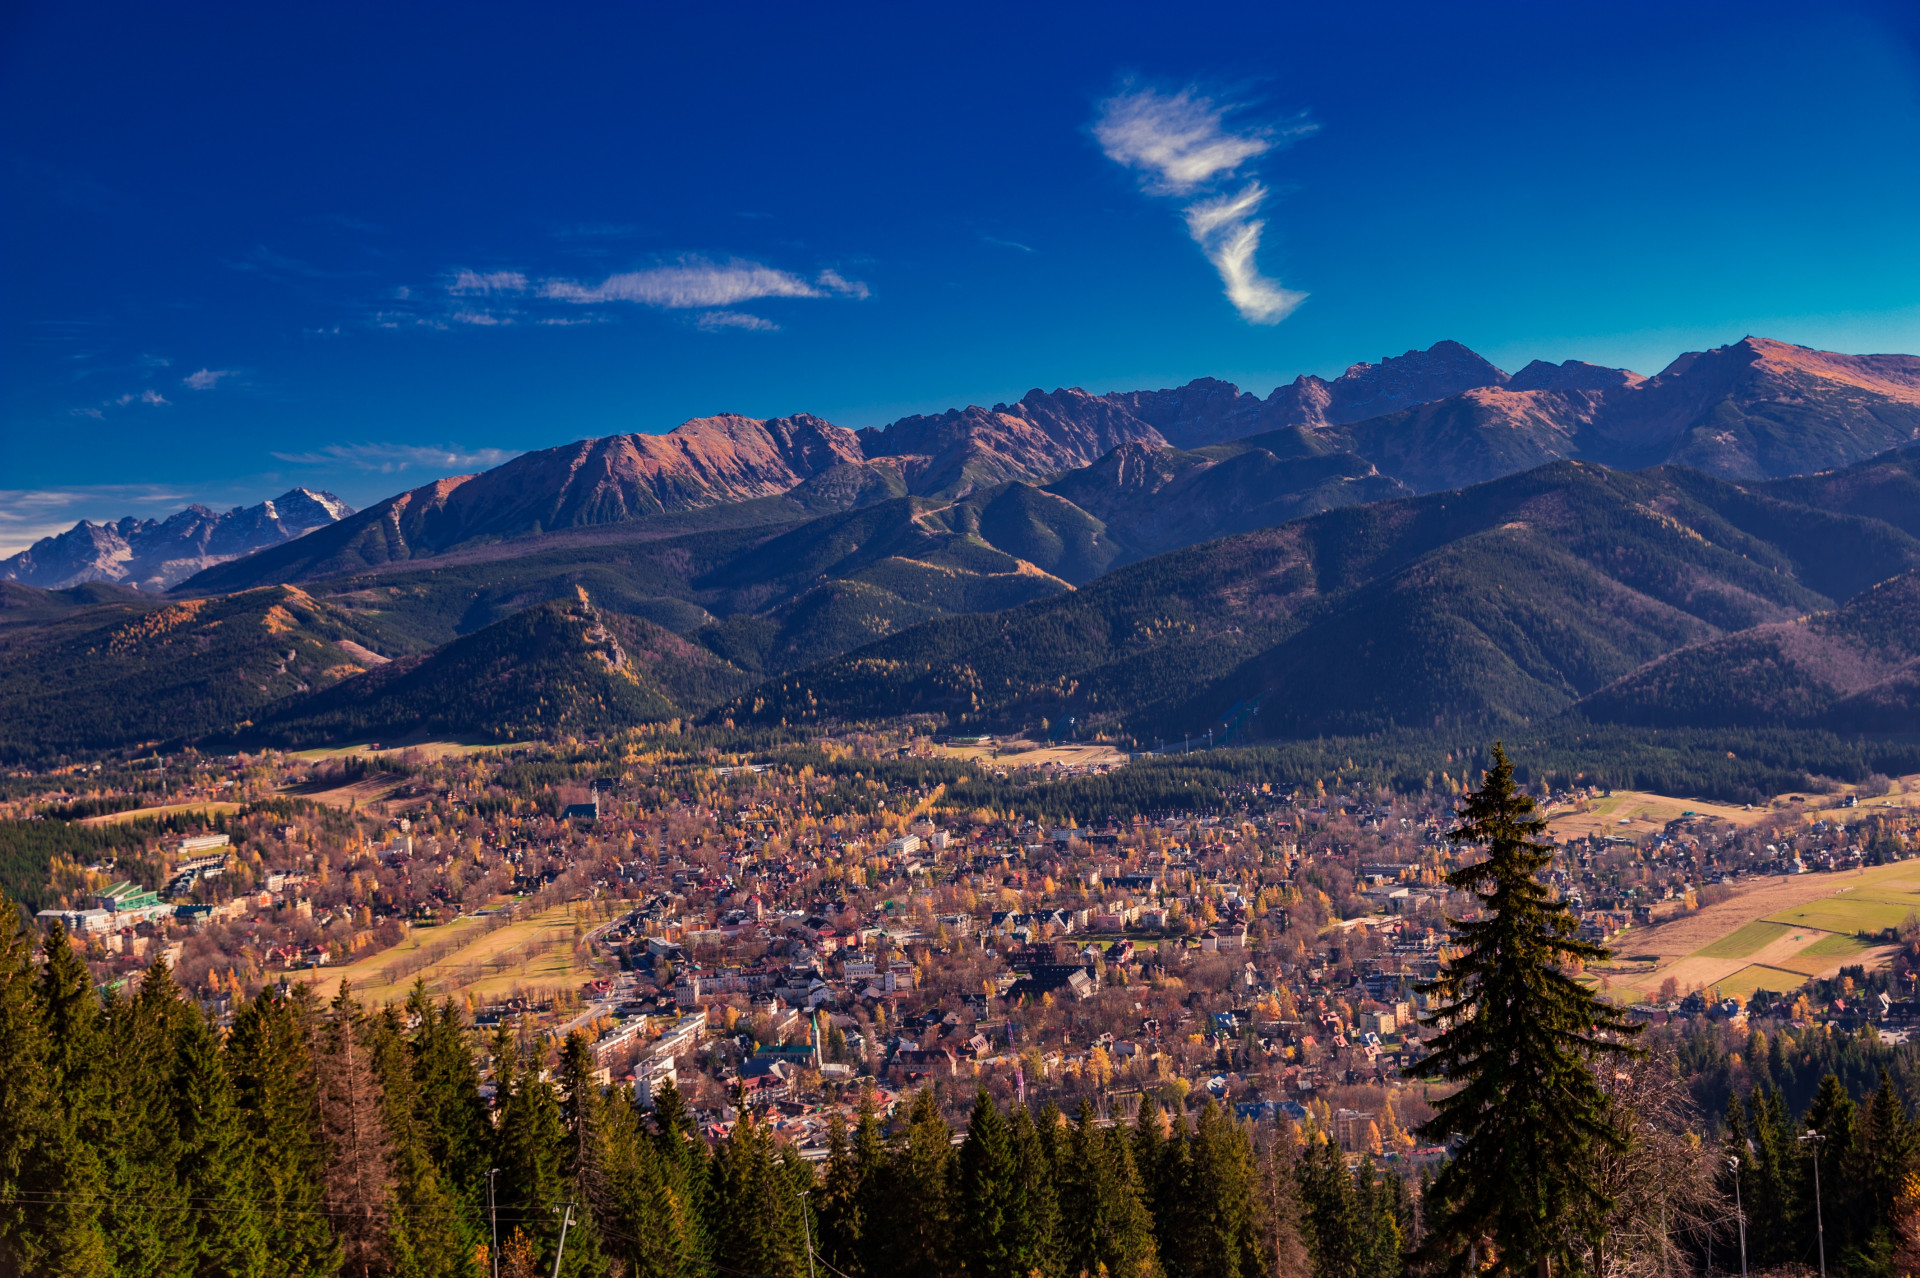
1422 542
157 554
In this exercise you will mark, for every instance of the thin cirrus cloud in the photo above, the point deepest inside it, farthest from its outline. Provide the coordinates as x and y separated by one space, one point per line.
206 378
150 398
695 283
689 284
388 459
1179 143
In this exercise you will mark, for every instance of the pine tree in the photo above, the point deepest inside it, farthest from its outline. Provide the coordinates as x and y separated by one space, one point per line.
1518 1035
146 1223
359 1167
432 1232
988 1198
459 1131
1038 1231
28 1106
1223 1234
917 1221
79 1123
758 1199
649 1224
583 1113
271 1060
226 1237
1103 1210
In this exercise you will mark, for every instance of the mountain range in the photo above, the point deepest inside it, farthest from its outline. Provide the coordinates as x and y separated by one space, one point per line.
1422 541
157 554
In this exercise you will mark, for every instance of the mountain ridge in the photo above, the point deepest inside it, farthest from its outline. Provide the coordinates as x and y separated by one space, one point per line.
156 554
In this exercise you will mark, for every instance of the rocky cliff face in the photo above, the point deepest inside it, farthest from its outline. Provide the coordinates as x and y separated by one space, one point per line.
151 554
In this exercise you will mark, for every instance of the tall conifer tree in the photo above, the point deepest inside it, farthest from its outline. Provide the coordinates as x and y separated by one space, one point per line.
988 1199
225 1234
79 1124
1518 1036
271 1060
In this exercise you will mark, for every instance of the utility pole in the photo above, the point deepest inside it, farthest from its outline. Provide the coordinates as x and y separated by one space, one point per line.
561 1250
493 1252
1819 1226
807 1226
1739 1214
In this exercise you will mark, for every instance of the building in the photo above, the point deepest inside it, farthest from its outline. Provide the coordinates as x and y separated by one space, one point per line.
78 922
130 903
588 811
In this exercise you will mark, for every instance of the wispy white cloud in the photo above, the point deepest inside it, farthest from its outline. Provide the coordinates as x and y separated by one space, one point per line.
394 458
1000 243
690 284
714 321
207 378
1179 140
1181 145
835 282
474 283
482 319
1229 234
147 397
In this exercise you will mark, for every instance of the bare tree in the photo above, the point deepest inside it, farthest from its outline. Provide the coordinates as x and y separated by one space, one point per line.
360 1180
1662 1185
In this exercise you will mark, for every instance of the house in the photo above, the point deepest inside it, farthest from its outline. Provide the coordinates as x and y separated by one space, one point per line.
588 811
1062 980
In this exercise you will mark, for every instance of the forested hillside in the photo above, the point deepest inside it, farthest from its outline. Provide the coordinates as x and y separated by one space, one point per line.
1500 603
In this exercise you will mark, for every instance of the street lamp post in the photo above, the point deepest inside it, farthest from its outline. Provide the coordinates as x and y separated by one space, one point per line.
494 1216
1814 1138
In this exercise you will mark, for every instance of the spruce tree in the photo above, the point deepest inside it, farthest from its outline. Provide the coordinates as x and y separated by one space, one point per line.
531 1150
271 1060
433 1233
1038 1231
459 1131
79 1124
1518 1034
918 1235
1103 1212
759 1230
988 1200
1222 1238
146 1223
683 1159
840 1197
226 1237
583 1114
649 1224
29 1106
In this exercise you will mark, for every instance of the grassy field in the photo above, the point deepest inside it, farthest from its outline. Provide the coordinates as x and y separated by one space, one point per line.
468 956
1754 936
165 810
1775 934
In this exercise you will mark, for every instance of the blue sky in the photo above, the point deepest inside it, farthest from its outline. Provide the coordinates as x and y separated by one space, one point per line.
359 246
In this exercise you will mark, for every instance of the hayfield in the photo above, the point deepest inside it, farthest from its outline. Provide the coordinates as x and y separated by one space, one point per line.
471 956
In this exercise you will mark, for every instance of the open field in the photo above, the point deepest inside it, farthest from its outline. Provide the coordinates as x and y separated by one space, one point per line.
1635 813
165 810
469 957
1632 813
1025 754
1775 934
424 751
371 788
